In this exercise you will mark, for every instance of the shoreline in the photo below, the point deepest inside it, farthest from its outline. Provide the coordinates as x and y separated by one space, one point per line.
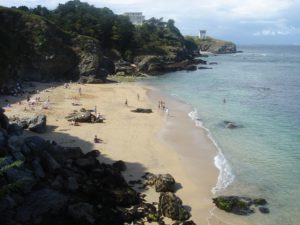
152 142
196 154
207 154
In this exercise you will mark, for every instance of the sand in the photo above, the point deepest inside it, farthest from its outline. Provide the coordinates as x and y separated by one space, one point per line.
155 142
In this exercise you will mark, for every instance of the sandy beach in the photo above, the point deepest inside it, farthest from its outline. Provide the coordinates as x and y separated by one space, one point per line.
154 142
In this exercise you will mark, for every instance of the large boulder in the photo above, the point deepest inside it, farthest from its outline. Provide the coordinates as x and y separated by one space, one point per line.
14 129
33 145
38 124
83 117
164 183
82 212
15 146
39 204
4 121
171 206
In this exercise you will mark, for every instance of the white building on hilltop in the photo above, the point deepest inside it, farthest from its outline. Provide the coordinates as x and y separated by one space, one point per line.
202 34
136 18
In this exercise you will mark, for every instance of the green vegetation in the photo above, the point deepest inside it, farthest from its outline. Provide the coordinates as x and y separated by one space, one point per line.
15 164
12 187
154 36
225 204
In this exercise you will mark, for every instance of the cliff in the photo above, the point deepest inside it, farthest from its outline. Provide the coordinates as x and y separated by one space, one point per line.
216 46
33 48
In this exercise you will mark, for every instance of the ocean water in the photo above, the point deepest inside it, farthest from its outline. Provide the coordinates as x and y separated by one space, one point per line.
261 87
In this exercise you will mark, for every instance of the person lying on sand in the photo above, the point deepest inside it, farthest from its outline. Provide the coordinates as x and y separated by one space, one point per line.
74 123
97 140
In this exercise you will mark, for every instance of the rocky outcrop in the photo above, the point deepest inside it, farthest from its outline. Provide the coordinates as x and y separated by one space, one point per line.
33 48
93 66
43 183
216 46
153 64
231 124
171 206
85 116
240 205
164 183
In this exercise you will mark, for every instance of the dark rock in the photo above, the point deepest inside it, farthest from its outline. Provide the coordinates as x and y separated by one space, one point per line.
125 197
260 201
120 166
16 174
231 125
14 130
171 206
204 68
72 184
40 203
82 117
23 123
190 222
61 154
7 202
164 183
38 124
3 138
4 121
37 168
94 153
57 183
264 210
15 143
234 204
5 161
213 63
141 110
49 163
86 163
33 145
82 212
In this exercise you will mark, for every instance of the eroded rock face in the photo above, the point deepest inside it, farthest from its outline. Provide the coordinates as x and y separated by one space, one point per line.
171 206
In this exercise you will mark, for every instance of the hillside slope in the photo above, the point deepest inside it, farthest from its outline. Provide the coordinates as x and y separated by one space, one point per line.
33 48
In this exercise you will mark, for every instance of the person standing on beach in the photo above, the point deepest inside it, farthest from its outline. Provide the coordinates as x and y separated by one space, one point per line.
79 91
167 111
95 110
138 96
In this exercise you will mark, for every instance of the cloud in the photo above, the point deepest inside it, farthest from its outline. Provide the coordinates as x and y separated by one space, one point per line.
276 28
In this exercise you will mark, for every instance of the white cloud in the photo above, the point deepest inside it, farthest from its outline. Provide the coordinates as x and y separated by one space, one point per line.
277 27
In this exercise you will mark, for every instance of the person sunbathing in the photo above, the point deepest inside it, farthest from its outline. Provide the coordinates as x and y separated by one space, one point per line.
97 140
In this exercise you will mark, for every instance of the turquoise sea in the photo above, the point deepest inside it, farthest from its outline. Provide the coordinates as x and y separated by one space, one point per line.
261 86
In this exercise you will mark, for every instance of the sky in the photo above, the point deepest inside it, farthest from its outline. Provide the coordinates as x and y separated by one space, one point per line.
240 21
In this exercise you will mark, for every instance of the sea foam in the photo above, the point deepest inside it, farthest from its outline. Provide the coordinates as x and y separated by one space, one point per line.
226 176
